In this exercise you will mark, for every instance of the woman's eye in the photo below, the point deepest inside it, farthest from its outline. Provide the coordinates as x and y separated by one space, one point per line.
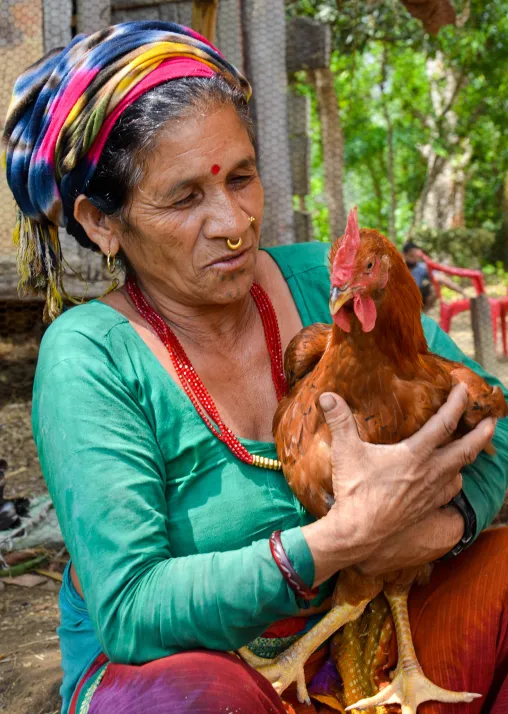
240 180
185 201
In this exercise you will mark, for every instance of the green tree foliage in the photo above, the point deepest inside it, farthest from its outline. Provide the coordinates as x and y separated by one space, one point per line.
368 33
464 246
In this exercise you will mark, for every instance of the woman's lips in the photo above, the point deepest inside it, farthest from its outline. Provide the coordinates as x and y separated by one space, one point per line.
230 261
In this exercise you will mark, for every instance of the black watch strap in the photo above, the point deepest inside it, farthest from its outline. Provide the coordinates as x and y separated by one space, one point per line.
462 504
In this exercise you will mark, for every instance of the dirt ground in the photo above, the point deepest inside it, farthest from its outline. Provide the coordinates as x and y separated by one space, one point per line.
30 671
29 657
18 357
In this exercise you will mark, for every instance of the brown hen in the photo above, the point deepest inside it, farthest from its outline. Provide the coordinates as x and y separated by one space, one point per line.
375 356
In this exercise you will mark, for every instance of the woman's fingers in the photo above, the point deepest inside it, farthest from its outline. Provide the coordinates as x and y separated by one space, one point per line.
464 451
340 421
442 425
449 491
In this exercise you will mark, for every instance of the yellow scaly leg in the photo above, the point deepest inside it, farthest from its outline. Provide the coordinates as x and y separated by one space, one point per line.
350 662
357 649
409 687
287 667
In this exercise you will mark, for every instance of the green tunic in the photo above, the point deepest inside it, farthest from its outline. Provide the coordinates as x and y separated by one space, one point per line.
167 530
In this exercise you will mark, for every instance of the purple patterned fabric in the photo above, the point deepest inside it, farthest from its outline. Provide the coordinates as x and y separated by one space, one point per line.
197 682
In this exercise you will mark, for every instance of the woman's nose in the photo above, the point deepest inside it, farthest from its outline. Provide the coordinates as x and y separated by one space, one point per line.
226 218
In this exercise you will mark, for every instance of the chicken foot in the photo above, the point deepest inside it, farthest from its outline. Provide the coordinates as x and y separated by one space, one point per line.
288 666
409 687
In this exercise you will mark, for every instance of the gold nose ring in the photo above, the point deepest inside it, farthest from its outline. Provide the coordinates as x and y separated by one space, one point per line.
252 219
234 246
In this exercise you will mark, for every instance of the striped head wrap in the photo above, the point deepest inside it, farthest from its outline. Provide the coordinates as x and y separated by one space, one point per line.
61 113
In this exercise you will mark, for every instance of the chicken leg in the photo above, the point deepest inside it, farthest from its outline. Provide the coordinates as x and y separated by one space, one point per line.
351 596
287 667
409 687
361 652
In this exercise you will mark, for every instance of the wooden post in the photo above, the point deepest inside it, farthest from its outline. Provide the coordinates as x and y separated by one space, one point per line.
204 17
299 142
229 37
300 147
265 65
308 48
308 44
484 348
167 11
92 16
57 23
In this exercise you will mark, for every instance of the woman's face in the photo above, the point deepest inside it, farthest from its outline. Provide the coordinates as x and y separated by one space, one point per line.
200 188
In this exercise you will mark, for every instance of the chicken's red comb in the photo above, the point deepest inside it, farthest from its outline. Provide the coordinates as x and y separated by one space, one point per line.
345 258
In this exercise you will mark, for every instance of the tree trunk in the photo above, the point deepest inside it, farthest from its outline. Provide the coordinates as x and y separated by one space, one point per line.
441 203
459 192
390 157
333 148
391 178
204 18
376 187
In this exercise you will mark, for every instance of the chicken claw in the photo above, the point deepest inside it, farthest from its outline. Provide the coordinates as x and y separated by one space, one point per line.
287 667
281 671
409 687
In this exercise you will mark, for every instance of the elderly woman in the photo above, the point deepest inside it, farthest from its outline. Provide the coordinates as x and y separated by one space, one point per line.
152 404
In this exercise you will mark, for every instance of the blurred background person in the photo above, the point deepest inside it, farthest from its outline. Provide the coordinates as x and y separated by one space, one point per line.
413 257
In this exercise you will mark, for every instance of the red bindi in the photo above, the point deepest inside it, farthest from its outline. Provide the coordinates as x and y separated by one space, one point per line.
215 169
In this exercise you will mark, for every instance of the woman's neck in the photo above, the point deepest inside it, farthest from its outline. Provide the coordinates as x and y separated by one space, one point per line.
211 327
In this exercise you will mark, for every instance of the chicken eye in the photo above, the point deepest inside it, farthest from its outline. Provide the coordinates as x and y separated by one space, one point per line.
370 265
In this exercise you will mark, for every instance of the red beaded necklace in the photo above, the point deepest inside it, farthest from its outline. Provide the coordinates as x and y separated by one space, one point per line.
192 384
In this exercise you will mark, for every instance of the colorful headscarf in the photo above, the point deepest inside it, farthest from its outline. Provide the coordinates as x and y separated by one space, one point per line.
60 115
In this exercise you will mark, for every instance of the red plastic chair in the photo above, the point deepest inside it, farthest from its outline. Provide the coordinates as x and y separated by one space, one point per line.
498 306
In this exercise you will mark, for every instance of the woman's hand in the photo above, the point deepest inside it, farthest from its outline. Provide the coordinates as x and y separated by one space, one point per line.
420 543
382 490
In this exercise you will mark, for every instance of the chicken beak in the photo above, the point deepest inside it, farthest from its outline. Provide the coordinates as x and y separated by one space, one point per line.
338 298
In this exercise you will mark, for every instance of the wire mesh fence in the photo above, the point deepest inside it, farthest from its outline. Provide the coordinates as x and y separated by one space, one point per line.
279 54
251 34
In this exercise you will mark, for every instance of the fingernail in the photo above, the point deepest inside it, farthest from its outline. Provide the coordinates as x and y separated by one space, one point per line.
327 402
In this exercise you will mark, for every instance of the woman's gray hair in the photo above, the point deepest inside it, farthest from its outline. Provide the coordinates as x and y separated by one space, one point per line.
135 135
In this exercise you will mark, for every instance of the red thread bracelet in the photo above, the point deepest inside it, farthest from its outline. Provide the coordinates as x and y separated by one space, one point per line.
288 572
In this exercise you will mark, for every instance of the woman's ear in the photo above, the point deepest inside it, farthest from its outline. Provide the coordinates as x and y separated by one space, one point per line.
99 227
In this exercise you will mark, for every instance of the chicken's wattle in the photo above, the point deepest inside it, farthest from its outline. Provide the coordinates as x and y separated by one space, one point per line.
365 310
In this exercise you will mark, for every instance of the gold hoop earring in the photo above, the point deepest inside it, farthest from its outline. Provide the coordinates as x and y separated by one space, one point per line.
252 219
111 263
234 246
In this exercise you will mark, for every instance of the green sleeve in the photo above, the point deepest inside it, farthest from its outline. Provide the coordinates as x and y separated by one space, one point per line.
107 478
485 481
